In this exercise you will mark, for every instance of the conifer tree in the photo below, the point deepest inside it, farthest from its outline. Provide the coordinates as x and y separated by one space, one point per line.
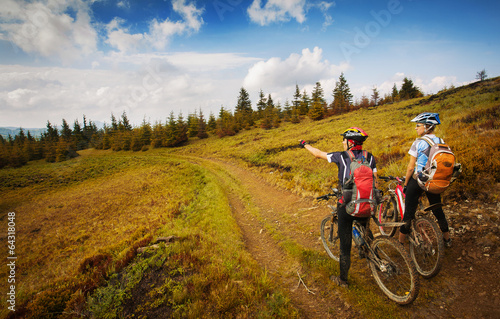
145 133
192 122
202 127
395 93
317 109
66 132
342 97
172 131
243 111
182 133
212 123
409 90
375 96
261 104
158 135
304 103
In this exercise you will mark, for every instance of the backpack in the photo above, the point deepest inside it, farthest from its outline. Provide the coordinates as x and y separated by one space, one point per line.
359 189
441 168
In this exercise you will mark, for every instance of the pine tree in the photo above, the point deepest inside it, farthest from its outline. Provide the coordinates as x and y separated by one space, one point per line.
171 131
304 104
261 105
192 123
409 90
395 94
158 135
212 123
145 133
342 97
202 127
375 96
243 111
317 109
182 136
66 132
114 124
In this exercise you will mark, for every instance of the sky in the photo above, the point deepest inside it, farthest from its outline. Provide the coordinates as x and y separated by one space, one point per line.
65 59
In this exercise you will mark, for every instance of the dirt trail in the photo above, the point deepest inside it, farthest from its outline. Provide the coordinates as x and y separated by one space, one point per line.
291 216
467 287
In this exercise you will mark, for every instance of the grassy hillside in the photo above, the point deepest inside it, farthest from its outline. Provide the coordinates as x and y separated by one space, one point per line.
79 223
470 118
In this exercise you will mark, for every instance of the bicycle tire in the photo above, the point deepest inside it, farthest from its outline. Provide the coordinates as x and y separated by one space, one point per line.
429 254
329 236
398 278
388 212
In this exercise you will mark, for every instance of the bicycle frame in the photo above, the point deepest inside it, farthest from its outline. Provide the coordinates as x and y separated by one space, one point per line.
399 195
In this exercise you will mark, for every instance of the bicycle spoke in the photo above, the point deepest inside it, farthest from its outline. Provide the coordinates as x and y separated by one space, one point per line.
329 237
393 271
426 247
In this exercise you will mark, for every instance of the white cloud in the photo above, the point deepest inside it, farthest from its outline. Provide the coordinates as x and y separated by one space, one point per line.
159 33
431 86
123 4
149 85
45 28
308 68
120 38
277 11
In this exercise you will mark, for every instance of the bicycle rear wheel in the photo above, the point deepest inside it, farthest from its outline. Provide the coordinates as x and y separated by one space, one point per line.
388 212
394 271
428 253
330 237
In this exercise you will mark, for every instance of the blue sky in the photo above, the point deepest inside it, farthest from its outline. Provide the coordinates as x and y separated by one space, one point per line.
69 58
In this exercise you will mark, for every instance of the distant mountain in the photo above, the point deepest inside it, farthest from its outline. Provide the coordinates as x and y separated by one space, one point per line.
36 132
13 131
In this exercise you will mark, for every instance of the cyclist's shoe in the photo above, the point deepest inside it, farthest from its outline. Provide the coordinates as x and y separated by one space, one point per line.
447 243
339 282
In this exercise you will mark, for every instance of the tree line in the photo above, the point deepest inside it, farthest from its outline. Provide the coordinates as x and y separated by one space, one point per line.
60 144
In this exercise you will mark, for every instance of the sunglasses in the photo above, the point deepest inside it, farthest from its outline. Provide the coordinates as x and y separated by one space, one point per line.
419 125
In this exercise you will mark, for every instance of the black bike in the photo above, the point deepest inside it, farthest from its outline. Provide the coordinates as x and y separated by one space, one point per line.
389 262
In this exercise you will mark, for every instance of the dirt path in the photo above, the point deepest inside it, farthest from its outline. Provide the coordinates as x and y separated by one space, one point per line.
467 287
291 217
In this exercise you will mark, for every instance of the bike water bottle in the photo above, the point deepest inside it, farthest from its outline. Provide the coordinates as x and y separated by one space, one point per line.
357 237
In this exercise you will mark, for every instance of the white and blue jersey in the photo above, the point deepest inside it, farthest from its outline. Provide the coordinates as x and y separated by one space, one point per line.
420 150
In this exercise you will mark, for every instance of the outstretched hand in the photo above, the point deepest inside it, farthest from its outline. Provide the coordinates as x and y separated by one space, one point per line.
303 143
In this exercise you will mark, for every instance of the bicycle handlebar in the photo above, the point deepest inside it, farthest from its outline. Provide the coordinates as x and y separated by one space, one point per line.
392 178
336 193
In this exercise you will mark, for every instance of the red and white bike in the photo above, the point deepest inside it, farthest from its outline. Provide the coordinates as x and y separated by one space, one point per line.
426 239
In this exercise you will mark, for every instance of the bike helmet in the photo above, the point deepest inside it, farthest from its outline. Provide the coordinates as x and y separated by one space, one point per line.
355 134
427 118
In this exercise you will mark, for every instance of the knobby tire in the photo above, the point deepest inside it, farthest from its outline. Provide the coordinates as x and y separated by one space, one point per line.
399 280
329 236
429 254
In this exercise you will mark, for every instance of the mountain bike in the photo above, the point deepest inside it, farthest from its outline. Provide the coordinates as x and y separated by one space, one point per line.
426 239
389 262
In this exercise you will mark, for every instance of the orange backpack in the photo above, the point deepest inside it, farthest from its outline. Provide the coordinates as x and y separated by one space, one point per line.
441 168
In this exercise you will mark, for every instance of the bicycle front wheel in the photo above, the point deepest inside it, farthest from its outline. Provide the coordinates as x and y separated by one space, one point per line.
330 237
394 271
388 212
427 249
